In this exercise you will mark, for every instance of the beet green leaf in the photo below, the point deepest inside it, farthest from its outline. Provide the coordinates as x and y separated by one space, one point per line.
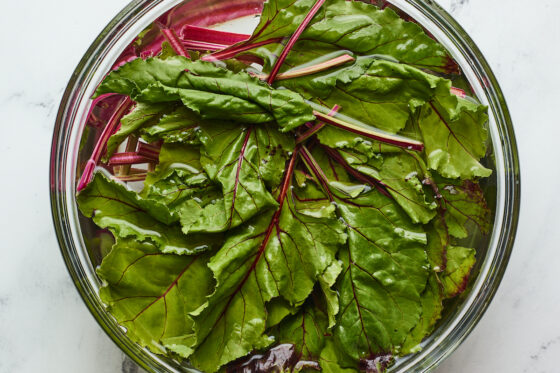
341 25
244 160
111 205
280 254
151 293
210 91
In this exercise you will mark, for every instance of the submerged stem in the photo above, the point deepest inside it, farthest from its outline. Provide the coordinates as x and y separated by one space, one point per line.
173 39
102 142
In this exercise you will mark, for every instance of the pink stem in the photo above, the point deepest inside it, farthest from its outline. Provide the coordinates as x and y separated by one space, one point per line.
378 135
458 92
148 150
235 50
127 158
293 40
314 129
196 33
173 39
102 142
203 46
368 180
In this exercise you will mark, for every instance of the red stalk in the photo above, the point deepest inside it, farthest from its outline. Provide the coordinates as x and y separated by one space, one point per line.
293 39
207 35
378 135
203 46
147 150
173 39
317 127
366 179
102 142
235 50
314 167
128 158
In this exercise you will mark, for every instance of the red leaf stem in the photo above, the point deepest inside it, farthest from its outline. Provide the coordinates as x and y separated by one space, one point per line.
128 158
102 142
371 132
293 39
314 167
366 179
235 50
208 35
173 39
147 150
314 129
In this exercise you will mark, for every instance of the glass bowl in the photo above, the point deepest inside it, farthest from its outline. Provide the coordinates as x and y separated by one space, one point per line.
83 244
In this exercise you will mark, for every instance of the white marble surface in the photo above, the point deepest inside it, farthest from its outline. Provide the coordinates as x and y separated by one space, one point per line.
45 327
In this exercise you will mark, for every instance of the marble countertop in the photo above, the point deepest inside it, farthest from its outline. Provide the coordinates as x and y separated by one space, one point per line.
45 326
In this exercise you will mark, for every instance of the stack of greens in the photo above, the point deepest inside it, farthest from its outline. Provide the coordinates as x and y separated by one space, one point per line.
305 217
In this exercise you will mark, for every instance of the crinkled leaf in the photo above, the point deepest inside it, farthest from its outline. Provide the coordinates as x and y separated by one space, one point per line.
126 214
454 135
178 126
178 176
151 294
386 270
347 25
208 90
401 173
243 160
278 254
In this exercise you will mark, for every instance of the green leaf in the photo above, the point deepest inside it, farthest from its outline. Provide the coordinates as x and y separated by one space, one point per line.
385 273
347 25
151 294
279 254
142 115
402 175
327 281
464 205
329 359
306 332
126 214
243 160
431 312
210 91
378 92
460 261
178 126
178 176
454 135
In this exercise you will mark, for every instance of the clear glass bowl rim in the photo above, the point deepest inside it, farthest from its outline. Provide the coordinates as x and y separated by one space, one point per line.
62 191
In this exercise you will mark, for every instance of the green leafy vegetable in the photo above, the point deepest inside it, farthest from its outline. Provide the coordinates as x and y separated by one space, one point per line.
208 90
151 294
315 222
